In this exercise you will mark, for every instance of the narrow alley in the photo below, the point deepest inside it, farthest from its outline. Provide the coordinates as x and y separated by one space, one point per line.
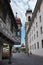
24 59
21 32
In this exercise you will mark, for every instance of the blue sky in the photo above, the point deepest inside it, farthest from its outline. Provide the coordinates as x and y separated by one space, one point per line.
20 6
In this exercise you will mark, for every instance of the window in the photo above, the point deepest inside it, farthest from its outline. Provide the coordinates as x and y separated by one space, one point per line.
35 46
29 18
37 33
41 29
36 24
34 36
42 43
38 45
40 18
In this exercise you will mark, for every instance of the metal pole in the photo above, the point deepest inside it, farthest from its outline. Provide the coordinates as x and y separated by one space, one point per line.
10 49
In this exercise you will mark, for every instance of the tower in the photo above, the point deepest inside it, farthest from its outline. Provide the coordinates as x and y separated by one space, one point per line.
27 26
28 16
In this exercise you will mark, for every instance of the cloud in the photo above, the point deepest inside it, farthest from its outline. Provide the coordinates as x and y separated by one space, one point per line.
33 3
20 6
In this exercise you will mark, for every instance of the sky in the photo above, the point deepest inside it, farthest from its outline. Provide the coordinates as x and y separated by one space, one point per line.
20 6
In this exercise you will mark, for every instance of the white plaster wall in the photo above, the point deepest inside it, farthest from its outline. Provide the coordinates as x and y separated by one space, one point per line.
40 36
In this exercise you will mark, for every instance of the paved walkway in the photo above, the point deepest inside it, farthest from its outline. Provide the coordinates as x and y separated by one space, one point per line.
24 59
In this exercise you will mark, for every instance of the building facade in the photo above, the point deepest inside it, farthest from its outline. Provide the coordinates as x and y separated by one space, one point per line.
27 25
35 34
8 27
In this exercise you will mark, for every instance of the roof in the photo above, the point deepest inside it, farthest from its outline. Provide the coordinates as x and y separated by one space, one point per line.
28 11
